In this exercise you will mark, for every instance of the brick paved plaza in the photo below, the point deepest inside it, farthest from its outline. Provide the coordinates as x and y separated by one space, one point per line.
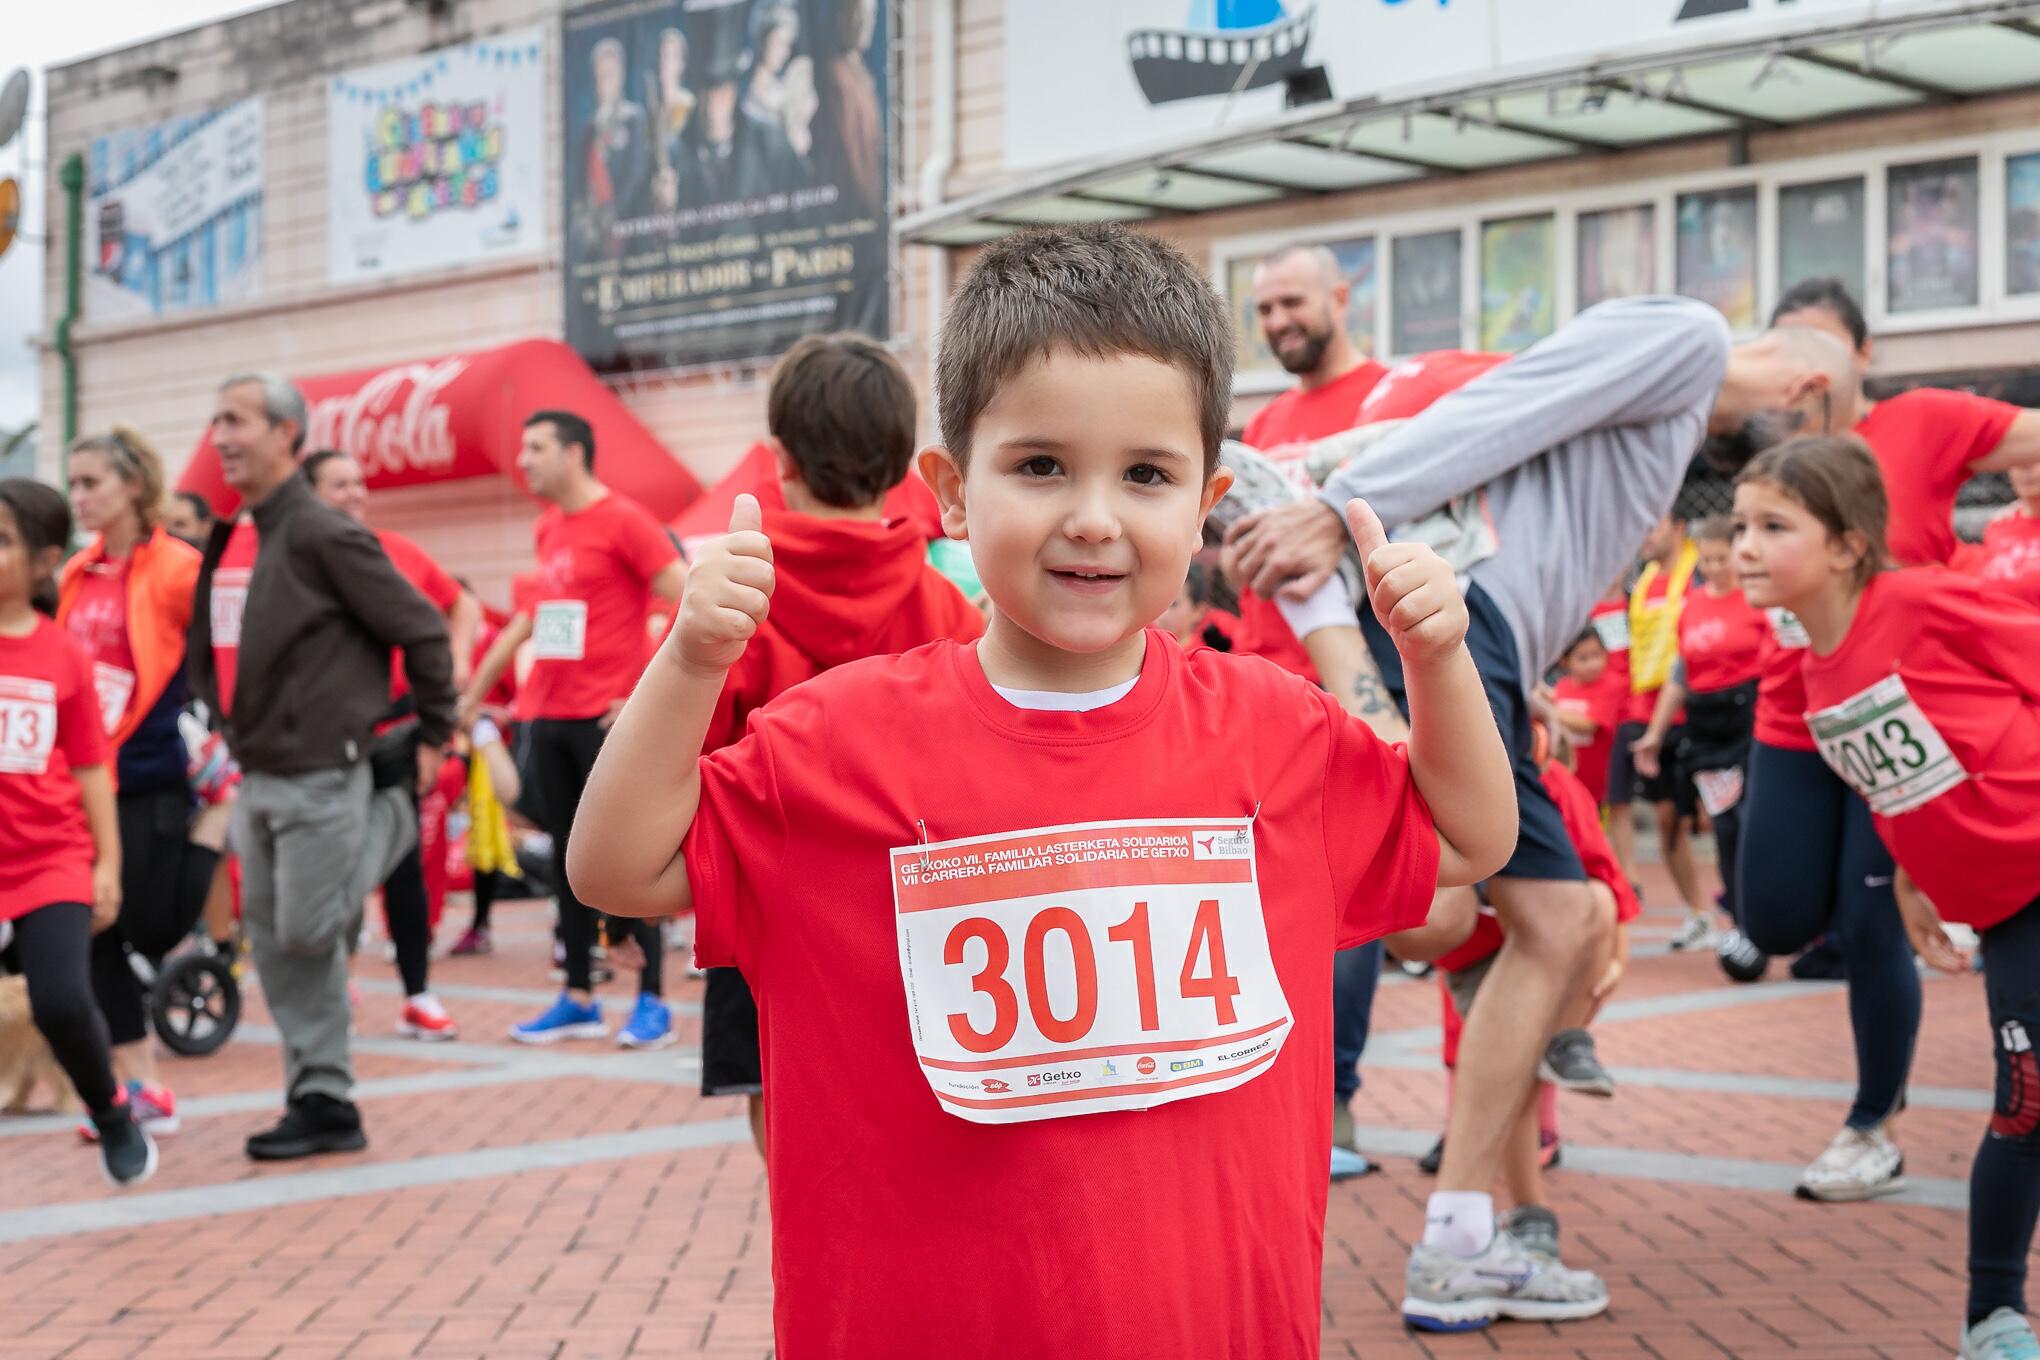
579 1202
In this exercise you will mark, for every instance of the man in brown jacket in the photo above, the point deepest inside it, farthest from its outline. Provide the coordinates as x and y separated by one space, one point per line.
296 614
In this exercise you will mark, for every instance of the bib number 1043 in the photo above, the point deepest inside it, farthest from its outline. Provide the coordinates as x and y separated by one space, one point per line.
1885 748
1070 970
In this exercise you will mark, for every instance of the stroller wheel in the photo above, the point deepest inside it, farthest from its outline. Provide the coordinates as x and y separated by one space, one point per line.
196 1004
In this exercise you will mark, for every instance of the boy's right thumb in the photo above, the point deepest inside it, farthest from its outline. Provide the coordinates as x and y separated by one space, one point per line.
1365 526
745 514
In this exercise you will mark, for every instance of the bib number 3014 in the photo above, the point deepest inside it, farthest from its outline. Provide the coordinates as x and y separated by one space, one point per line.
1077 969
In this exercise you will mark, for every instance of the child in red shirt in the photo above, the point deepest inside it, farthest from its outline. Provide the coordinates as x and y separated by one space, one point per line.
2010 560
1723 641
1588 700
1042 947
1923 694
849 583
59 836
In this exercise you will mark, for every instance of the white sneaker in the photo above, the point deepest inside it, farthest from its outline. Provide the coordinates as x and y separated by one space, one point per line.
1857 1165
1695 934
2004 1335
1447 1293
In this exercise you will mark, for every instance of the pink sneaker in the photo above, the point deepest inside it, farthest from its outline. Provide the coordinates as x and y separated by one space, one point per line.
154 1106
427 1021
474 941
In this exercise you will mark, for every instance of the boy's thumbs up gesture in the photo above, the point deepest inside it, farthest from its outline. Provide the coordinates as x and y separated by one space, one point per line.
1413 592
729 589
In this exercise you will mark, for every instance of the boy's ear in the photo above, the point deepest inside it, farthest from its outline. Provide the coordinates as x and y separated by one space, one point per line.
789 471
939 469
1215 486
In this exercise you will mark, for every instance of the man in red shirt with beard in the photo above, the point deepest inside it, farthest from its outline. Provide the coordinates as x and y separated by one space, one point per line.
1300 298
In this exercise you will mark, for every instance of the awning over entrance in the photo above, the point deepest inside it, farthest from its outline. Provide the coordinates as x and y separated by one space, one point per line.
1889 56
462 416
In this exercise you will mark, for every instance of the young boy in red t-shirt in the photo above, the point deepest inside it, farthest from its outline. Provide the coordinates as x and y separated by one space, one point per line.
1588 700
1042 928
850 583
2010 559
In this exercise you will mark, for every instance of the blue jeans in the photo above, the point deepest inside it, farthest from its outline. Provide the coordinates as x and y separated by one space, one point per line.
1354 974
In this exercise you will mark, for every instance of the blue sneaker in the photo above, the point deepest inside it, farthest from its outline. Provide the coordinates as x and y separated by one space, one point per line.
650 1025
567 1019
1347 1163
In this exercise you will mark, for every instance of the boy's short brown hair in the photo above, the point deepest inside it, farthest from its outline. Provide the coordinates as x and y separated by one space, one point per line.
1713 529
1098 290
844 409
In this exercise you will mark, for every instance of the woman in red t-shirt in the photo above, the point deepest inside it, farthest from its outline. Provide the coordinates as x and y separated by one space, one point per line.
1721 647
1923 694
2010 560
127 600
59 837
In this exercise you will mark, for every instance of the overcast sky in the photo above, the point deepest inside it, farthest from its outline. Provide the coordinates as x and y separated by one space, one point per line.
36 36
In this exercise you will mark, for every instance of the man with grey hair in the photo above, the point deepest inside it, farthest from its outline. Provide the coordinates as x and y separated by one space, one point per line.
296 613
1300 302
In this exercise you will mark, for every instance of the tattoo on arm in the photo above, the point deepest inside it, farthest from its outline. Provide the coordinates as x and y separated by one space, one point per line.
1372 694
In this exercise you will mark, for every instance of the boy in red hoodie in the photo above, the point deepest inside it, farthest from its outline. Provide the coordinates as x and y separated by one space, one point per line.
849 584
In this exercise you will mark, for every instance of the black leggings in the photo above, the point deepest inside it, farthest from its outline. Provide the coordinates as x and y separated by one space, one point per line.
2004 1182
408 913
561 754
164 880
54 943
1811 863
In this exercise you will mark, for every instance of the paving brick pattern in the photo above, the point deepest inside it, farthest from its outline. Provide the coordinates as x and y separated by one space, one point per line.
576 1202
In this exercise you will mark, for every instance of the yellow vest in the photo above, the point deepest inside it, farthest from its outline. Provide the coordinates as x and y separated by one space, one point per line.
488 843
1654 624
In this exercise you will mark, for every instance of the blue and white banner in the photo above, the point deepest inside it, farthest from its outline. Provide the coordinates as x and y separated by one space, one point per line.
437 160
176 215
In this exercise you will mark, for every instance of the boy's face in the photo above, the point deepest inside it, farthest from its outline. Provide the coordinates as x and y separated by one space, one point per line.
1586 663
1083 502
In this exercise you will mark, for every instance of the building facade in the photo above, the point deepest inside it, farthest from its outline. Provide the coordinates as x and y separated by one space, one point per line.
1481 168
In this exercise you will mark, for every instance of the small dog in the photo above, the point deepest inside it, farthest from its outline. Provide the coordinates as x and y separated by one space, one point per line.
25 1059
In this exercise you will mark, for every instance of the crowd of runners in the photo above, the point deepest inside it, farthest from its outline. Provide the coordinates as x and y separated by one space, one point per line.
1042 902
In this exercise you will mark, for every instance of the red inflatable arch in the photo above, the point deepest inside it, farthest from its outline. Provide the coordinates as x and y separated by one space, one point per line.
462 416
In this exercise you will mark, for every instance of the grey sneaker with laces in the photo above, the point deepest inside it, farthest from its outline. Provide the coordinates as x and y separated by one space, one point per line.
1447 1293
1571 1064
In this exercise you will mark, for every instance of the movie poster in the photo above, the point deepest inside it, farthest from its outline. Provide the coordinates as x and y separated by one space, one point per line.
2022 224
1931 223
1717 240
1617 254
1518 282
1426 293
437 160
1821 233
1356 265
726 171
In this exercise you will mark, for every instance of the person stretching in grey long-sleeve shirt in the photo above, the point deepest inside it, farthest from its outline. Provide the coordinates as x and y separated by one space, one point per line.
1576 448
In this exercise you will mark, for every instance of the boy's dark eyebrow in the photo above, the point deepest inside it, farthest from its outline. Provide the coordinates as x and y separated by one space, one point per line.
1045 444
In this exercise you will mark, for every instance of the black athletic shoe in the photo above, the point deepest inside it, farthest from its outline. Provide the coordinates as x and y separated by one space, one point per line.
1571 1064
1740 959
126 1152
1432 1160
311 1125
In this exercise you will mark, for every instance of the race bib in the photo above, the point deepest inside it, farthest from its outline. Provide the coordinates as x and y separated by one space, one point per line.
559 630
1613 630
1071 970
115 687
1786 627
1719 790
229 599
1884 748
28 724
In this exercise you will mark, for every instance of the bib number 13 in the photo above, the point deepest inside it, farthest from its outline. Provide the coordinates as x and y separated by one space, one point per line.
1203 974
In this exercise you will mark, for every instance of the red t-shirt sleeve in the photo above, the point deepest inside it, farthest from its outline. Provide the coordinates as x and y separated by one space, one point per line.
1379 837
643 545
739 822
1996 633
436 584
80 735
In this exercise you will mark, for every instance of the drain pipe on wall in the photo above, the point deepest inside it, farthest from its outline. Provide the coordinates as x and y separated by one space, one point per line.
941 157
72 177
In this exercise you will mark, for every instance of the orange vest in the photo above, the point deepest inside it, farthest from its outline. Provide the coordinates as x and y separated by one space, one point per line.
162 578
